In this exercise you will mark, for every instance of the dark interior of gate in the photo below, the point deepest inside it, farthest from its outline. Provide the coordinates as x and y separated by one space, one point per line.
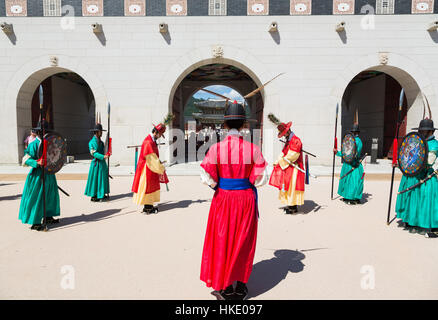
376 97
205 76
70 110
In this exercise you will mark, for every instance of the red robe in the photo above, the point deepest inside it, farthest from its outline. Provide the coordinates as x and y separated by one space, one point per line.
280 176
230 239
153 179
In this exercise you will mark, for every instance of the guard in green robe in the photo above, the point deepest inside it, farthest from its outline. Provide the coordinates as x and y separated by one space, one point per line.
31 205
418 208
351 187
97 184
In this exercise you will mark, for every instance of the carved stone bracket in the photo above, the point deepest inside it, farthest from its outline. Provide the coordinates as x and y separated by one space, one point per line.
218 52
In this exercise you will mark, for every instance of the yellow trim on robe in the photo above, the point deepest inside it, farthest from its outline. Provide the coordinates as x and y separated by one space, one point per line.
141 198
291 197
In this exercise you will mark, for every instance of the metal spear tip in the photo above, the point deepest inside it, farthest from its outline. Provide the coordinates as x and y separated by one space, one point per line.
41 94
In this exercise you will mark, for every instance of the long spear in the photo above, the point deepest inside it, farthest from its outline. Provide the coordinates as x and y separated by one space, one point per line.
43 178
335 147
395 150
109 140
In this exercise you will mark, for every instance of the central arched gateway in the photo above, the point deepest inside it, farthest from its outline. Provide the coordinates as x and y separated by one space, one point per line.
204 74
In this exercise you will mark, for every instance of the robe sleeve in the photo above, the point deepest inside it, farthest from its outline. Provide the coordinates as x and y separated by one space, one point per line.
154 164
339 154
93 150
262 179
207 179
209 164
30 155
258 170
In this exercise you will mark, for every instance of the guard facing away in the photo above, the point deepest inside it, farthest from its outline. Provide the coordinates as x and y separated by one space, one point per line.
98 183
234 168
352 173
32 201
150 170
288 174
417 204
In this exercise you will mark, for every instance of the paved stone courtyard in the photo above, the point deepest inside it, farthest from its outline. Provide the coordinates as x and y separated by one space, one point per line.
112 251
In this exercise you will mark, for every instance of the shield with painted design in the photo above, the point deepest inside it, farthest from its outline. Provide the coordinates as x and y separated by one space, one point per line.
56 152
412 154
349 149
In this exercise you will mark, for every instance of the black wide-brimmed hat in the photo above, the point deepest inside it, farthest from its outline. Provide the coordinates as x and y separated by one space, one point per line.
426 125
97 127
39 128
355 128
236 111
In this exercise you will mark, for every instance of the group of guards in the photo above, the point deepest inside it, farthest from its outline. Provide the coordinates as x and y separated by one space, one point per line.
234 168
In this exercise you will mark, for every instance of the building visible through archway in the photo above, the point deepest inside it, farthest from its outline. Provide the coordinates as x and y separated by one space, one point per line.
375 94
216 74
69 107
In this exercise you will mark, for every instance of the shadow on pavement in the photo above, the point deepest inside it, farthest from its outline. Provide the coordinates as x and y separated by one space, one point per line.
365 197
178 205
93 217
120 196
8 198
267 274
309 206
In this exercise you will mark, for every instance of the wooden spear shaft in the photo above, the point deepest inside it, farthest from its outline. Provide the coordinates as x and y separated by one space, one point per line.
335 147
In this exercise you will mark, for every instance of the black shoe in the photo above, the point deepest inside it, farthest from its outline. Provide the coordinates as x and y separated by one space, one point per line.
93 199
51 220
241 292
357 201
294 209
155 209
431 235
37 227
148 209
228 293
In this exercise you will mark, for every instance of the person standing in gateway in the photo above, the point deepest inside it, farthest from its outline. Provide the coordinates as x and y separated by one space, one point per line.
233 168
97 183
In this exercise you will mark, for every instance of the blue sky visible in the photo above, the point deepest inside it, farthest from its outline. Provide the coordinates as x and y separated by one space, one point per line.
223 90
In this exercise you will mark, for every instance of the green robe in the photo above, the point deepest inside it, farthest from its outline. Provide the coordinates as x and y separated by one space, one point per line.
97 183
419 207
351 187
31 206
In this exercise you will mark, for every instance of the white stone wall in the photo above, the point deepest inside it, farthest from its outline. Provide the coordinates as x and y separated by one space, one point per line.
137 69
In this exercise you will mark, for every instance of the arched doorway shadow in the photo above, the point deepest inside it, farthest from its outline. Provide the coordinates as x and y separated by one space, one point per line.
269 273
69 106
373 94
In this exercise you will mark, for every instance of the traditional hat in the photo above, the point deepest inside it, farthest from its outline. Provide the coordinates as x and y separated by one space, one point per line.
97 127
39 128
161 127
236 111
425 125
282 127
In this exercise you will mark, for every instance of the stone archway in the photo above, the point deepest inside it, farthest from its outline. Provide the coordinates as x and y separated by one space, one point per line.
193 59
21 90
403 71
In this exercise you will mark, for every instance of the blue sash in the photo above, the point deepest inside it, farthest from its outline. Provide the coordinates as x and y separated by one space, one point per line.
238 184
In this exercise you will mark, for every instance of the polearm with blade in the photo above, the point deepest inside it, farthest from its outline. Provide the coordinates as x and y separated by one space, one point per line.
335 147
43 178
109 142
395 150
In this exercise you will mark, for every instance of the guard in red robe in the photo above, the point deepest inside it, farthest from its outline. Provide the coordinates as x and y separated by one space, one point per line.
150 172
287 176
233 168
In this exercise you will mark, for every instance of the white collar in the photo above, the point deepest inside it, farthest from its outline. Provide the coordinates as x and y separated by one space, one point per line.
152 136
233 132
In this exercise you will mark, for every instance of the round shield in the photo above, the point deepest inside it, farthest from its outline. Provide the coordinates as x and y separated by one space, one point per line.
412 154
349 149
56 152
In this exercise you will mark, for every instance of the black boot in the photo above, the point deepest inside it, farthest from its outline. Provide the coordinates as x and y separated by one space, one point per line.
241 292
93 199
51 220
148 209
37 227
228 293
293 209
